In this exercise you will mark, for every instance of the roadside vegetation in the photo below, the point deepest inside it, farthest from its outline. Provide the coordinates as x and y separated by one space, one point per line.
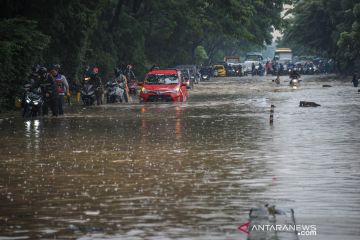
108 33
328 28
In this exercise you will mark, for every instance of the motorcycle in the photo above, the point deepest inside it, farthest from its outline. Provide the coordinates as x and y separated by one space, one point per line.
33 102
294 82
88 94
133 87
238 72
114 92
47 95
204 77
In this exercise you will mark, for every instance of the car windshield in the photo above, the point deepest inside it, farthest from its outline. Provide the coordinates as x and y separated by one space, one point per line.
162 79
219 67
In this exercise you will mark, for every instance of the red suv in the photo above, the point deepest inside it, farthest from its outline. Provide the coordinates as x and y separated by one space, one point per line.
164 86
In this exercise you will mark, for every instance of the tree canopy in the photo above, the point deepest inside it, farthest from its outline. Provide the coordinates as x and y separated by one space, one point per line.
106 33
329 28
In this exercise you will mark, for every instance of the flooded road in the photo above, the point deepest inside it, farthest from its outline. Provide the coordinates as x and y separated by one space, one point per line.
186 171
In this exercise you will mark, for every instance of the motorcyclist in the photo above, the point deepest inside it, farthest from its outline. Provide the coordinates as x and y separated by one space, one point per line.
31 83
48 91
121 79
62 88
277 80
260 69
355 80
253 69
129 72
294 75
97 83
281 68
33 79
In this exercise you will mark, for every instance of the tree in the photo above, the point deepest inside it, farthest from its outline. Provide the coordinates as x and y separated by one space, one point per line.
21 46
200 55
107 33
328 28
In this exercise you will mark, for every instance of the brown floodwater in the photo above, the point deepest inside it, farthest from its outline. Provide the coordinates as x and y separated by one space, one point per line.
186 171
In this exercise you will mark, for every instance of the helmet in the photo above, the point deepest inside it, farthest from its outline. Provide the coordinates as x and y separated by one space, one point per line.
117 72
42 70
35 68
56 67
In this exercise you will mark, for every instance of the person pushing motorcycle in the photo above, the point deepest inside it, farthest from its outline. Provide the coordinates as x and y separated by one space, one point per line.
62 88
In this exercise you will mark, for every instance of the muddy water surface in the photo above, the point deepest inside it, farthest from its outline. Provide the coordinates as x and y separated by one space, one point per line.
186 171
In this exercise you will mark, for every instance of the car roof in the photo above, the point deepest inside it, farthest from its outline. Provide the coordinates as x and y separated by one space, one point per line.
164 71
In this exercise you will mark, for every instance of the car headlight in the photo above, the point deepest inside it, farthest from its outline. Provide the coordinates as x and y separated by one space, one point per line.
175 90
144 90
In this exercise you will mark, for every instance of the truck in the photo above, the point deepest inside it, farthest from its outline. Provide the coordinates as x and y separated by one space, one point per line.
232 60
283 55
252 58
233 66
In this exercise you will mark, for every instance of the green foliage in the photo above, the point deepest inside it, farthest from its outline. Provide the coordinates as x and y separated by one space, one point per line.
200 55
326 27
165 33
21 46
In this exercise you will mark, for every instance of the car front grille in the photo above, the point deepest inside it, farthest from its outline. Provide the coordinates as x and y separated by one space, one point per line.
159 98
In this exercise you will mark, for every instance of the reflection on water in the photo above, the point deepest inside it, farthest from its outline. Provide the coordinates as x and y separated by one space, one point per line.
32 133
188 171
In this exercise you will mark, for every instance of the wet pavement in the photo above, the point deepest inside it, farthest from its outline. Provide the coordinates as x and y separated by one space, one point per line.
186 171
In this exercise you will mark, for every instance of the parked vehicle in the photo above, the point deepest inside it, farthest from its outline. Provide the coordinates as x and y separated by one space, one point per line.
283 55
163 86
252 58
220 71
232 60
33 102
